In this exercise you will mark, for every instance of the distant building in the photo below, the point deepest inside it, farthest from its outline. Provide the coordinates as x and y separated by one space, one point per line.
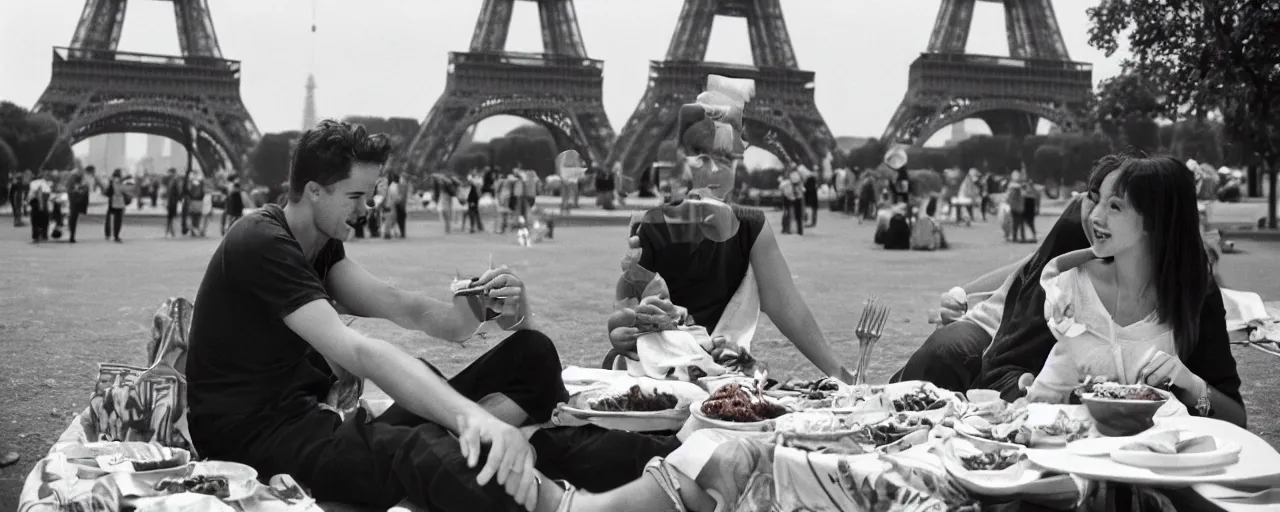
309 106
109 152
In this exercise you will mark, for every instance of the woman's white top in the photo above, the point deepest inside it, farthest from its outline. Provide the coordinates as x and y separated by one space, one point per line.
1090 342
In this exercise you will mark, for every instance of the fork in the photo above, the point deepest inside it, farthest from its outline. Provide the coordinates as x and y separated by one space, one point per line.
870 327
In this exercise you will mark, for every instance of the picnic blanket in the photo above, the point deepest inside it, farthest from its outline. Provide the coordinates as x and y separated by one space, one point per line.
59 483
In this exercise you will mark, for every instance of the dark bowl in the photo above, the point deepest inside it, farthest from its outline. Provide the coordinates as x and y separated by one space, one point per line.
1118 417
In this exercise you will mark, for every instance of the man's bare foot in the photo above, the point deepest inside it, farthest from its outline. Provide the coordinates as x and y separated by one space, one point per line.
9 458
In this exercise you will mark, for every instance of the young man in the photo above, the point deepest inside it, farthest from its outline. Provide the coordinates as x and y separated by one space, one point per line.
267 344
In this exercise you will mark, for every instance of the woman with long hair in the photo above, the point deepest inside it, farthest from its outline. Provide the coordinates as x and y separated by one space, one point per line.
1128 308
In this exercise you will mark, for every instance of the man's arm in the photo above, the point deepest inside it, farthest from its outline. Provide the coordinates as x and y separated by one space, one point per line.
360 293
780 299
408 381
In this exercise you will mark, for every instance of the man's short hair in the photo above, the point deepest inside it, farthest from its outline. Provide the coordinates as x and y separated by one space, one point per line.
324 154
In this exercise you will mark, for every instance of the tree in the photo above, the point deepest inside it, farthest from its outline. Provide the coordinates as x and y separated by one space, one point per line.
1142 133
1124 99
1047 166
31 136
1212 55
269 161
1199 140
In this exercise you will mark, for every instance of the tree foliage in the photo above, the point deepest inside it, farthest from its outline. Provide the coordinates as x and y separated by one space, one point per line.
30 135
1206 56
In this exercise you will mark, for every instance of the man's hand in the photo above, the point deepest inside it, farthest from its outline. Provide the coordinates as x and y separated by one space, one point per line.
511 458
504 293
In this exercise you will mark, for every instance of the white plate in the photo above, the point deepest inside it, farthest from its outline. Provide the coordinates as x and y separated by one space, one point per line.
1258 462
632 421
1005 482
1227 453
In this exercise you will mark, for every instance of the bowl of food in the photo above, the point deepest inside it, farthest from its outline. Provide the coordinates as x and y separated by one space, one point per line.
1123 409
735 407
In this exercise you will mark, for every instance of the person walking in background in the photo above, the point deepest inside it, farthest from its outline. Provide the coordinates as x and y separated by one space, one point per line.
1030 208
77 201
473 207
15 198
792 203
117 199
1013 198
447 191
401 205
172 202
233 206
39 195
185 198
811 197
966 197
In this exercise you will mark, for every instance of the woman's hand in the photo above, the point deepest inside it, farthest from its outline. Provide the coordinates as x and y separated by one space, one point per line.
624 340
1162 370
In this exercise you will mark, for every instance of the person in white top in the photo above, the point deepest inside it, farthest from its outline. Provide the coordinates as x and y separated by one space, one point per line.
1126 309
39 197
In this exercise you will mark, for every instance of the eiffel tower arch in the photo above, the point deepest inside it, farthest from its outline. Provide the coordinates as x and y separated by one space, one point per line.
193 98
1011 94
560 89
783 105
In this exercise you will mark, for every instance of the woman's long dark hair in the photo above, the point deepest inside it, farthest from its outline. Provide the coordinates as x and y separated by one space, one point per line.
1163 191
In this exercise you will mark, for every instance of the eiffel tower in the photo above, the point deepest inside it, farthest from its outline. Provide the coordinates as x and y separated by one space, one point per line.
193 98
560 89
783 104
1011 94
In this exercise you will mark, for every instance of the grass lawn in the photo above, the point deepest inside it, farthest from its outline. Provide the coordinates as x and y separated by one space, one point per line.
64 308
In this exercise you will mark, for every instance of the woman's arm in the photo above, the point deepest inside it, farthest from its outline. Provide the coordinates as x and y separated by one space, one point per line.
788 310
1213 362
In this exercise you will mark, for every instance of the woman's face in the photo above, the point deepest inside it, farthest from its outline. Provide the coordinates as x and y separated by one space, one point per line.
1114 226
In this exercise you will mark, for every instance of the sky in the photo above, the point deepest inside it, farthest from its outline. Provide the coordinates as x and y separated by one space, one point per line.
388 57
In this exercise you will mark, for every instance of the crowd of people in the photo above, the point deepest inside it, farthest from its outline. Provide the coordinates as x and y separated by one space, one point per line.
54 201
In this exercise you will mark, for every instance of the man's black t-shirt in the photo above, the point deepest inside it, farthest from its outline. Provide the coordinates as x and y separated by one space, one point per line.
702 277
246 370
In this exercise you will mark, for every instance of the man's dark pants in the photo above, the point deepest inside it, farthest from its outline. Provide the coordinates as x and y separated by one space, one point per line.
951 358
401 455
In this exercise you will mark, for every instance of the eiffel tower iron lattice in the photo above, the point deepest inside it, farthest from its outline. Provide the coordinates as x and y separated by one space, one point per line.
1011 94
783 108
193 98
560 89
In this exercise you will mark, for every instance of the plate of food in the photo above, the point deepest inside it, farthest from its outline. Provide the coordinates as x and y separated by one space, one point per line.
828 431
1123 409
1174 450
1031 425
986 467
801 394
736 407
636 408
1258 462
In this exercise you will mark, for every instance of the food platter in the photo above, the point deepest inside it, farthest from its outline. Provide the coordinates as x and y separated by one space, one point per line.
1258 463
601 407
740 408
